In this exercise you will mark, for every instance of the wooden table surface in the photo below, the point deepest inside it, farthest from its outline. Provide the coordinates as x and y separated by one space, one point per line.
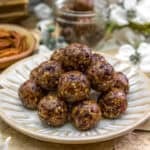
137 140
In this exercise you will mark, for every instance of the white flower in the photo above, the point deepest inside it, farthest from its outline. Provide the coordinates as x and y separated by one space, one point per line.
143 12
141 55
130 4
130 10
118 15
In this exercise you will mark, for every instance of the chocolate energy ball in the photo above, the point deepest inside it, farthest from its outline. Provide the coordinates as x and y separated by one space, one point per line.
77 57
47 74
57 55
86 114
101 76
73 86
30 94
97 58
52 110
113 104
34 73
121 81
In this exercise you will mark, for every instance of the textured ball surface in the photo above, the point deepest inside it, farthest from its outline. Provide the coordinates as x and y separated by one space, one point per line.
101 76
121 82
86 115
73 86
30 94
113 104
57 55
77 57
47 74
52 110
97 58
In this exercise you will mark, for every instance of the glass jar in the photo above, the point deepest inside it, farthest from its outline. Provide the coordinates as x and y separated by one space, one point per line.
81 23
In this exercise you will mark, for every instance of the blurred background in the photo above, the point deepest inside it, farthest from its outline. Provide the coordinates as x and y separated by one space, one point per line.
92 22
102 24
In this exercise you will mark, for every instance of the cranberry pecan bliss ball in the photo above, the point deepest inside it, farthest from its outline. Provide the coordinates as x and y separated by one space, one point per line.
30 94
52 110
73 86
97 58
47 74
58 55
113 104
77 57
85 115
121 81
101 76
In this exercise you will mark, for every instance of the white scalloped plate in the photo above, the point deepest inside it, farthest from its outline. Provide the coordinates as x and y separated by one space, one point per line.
27 121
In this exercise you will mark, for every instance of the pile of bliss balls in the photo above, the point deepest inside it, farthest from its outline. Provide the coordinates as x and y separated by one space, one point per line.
60 88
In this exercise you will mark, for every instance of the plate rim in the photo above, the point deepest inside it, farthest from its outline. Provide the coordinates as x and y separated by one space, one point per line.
69 140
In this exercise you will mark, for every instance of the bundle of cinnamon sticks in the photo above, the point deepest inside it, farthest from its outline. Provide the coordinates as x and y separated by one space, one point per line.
11 43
